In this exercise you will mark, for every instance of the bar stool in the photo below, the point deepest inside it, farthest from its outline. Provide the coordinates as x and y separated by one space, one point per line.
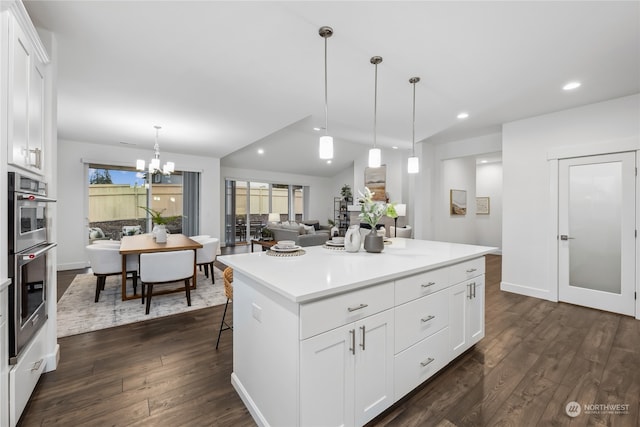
227 275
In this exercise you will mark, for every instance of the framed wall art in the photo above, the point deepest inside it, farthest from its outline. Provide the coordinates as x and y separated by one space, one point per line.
376 180
458 202
482 206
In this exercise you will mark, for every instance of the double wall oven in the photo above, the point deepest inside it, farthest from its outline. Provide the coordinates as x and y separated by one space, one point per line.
28 250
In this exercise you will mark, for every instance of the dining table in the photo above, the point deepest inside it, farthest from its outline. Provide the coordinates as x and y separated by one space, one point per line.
146 243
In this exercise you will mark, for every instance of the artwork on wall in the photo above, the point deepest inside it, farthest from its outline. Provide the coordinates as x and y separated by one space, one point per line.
376 180
458 202
482 206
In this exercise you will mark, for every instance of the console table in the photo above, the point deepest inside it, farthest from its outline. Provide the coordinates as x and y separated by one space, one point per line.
335 338
265 244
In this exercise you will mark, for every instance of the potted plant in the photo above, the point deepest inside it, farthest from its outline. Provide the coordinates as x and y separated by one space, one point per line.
371 212
345 191
334 228
160 223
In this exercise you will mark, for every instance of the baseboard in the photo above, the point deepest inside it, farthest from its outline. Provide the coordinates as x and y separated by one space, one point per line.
52 360
248 401
72 266
527 291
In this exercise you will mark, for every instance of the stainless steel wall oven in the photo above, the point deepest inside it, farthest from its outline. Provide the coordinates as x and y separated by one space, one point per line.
28 249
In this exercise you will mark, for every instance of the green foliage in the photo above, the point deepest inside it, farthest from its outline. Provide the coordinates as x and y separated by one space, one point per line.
100 176
346 191
156 216
371 212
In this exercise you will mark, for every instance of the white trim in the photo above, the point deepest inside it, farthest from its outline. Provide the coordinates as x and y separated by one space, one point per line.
527 291
552 240
596 148
637 237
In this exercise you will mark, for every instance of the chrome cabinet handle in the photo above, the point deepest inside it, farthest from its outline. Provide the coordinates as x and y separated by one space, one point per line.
474 289
426 285
426 362
352 349
426 319
361 306
471 270
469 290
36 365
362 328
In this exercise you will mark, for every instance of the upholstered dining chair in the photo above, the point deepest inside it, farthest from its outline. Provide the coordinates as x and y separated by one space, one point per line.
206 255
401 231
227 276
165 267
105 260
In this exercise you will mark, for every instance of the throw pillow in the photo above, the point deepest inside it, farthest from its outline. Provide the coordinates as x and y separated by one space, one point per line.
285 223
309 229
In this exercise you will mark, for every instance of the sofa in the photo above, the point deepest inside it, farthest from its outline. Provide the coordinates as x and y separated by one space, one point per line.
306 233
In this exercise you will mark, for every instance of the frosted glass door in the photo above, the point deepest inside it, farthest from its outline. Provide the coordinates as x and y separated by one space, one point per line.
597 232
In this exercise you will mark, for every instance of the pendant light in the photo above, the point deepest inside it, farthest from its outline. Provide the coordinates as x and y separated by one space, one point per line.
375 155
326 141
413 165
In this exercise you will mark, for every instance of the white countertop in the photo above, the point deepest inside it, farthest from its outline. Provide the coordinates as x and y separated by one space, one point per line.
322 272
4 283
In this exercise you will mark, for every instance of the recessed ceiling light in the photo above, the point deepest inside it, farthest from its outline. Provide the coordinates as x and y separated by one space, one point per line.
463 115
260 151
328 162
483 161
316 129
571 86
395 147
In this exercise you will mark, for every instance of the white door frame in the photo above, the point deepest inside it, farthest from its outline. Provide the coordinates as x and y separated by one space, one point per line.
553 159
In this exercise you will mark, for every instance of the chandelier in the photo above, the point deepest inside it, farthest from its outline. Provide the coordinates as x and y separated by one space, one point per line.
154 163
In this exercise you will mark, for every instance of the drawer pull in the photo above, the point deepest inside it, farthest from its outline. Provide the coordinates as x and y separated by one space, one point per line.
362 328
426 319
36 365
426 285
361 306
471 270
426 362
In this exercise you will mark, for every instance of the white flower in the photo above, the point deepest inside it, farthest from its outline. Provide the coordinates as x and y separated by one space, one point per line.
370 211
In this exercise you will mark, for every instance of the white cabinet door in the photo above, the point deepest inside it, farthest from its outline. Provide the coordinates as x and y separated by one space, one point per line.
4 360
466 320
346 374
26 92
19 57
374 366
476 311
326 378
458 297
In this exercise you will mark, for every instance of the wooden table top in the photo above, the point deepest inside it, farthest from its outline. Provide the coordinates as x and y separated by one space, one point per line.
145 243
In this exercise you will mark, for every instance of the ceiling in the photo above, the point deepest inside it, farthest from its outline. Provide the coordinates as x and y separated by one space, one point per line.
226 78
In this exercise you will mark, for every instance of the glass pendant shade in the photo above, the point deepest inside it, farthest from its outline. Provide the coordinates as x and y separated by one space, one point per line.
154 164
413 166
326 147
375 158
140 164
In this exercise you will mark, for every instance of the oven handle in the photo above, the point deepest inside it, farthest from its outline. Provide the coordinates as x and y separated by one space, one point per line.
34 198
36 254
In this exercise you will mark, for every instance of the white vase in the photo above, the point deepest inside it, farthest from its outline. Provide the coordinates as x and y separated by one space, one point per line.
160 233
352 240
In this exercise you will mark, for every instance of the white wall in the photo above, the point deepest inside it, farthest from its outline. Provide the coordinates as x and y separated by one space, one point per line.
72 192
489 184
457 174
527 232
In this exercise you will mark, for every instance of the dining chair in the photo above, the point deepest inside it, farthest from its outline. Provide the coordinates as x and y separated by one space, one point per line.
227 276
105 260
206 255
400 231
165 267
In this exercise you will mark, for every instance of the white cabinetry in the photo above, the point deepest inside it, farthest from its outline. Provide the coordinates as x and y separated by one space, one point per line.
4 357
346 374
25 82
466 305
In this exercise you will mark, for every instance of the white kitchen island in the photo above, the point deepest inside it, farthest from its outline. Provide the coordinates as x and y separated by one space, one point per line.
332 338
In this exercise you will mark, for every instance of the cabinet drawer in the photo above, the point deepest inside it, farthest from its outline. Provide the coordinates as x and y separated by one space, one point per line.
420 318
416 364
466 270
329 313
418 285
25 374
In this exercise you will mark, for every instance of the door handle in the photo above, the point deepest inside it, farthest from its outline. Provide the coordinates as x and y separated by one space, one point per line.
565 237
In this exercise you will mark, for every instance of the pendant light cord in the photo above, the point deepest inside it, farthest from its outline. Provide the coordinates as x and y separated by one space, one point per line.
413 130
375 107
326 97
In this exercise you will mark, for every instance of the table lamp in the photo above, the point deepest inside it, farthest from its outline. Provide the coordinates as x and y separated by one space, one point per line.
401 210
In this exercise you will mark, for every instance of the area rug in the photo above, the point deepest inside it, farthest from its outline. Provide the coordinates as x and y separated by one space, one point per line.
77 313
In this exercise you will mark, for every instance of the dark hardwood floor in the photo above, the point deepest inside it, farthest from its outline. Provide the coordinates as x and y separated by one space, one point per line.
535 358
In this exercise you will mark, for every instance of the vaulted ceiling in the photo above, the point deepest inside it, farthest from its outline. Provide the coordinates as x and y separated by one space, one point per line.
225 77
